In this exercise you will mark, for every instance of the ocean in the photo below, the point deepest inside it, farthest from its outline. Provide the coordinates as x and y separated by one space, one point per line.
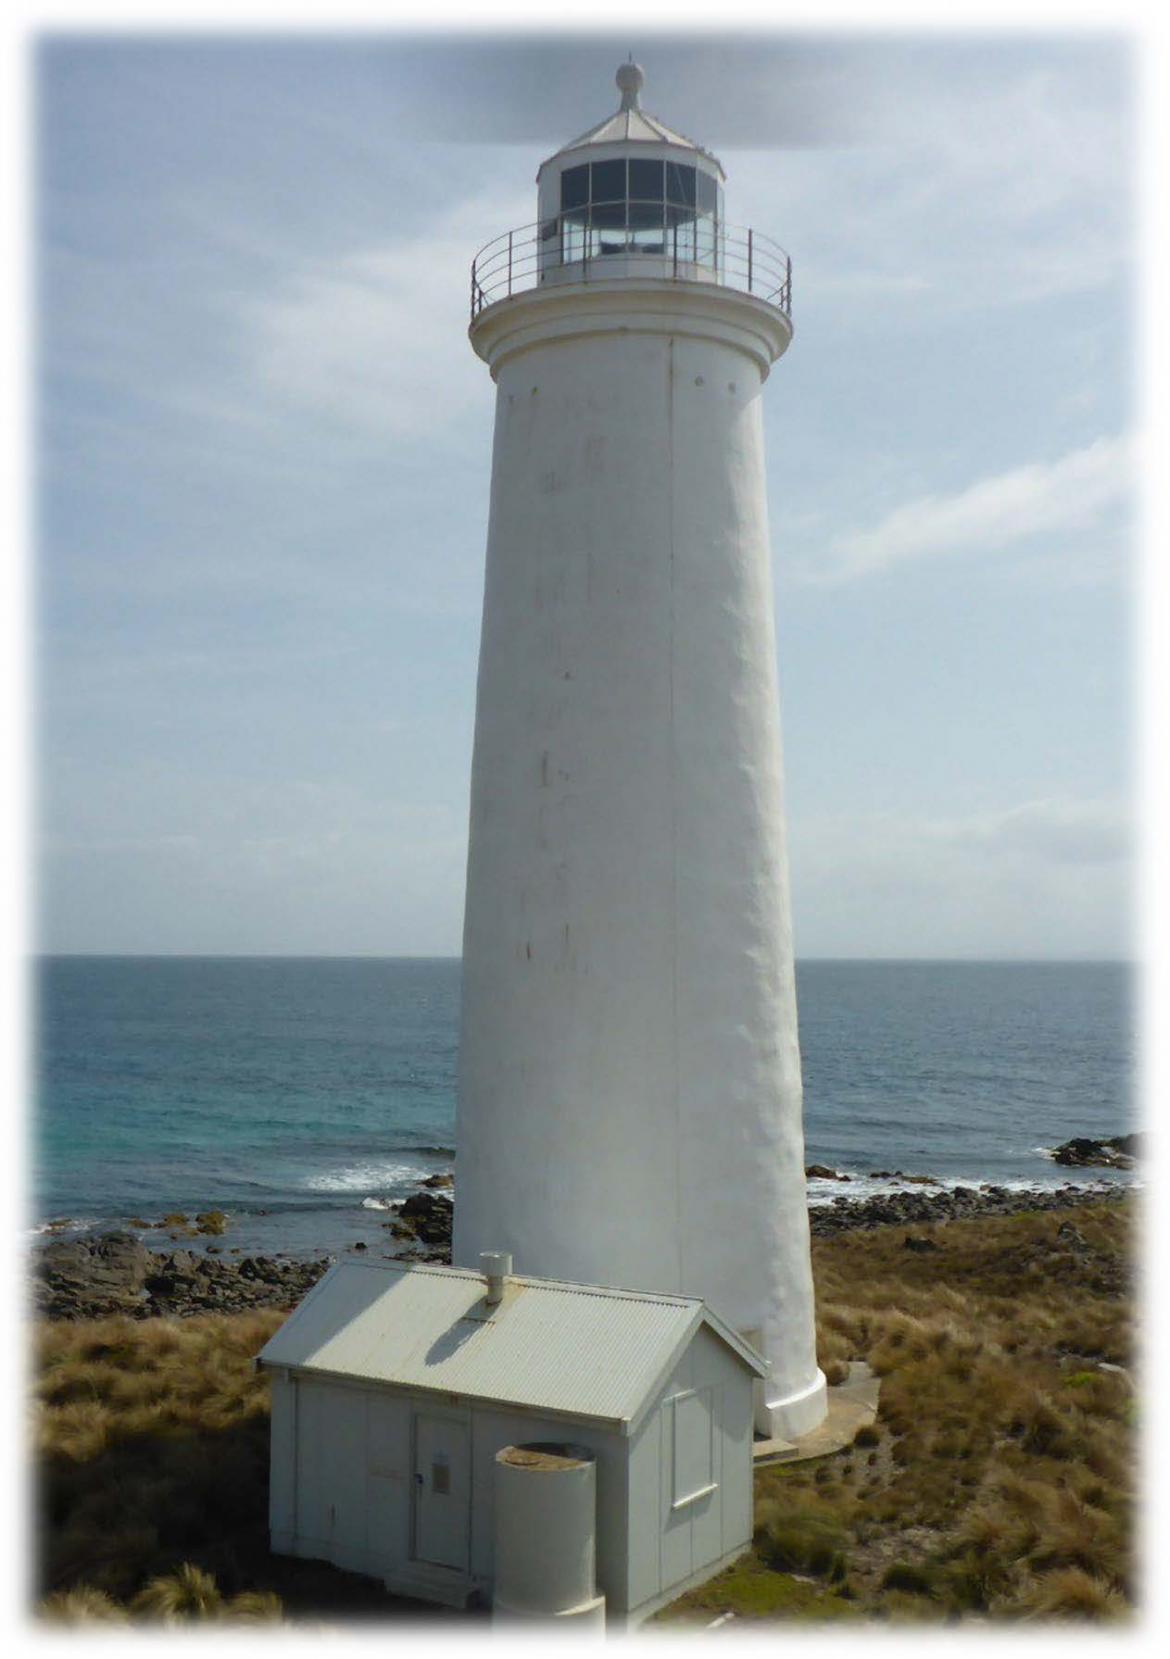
304 1095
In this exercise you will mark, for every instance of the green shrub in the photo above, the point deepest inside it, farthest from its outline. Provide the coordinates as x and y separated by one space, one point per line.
802 1539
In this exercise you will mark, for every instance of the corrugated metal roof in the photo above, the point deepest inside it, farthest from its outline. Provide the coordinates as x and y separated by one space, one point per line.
580 1349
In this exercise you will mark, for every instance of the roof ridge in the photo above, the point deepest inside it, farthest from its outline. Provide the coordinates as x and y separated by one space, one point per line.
672 1298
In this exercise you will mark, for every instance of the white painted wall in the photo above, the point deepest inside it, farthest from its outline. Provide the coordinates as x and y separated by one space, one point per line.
667 1546
630 1095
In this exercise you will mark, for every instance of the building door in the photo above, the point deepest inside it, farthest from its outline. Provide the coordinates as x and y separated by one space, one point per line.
442 1491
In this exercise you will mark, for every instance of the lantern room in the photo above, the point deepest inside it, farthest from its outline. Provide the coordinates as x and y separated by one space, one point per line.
630 188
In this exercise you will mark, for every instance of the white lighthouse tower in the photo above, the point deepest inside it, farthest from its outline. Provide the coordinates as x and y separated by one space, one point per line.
630 1094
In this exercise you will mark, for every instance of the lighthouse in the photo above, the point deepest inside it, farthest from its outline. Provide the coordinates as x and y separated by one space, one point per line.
630 1093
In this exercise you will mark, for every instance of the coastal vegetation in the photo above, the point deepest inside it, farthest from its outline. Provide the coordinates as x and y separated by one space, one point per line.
997 1482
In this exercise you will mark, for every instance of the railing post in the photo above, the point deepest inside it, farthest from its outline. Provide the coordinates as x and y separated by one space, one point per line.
473 290
674 272
510 235
749 261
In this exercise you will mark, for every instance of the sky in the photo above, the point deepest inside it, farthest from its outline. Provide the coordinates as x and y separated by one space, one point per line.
263 454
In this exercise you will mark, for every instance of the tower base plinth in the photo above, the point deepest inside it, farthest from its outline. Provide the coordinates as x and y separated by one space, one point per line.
793 1415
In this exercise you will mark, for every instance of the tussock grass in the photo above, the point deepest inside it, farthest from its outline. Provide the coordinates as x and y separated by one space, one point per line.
82 1606
104 1381
152 1442
808 1537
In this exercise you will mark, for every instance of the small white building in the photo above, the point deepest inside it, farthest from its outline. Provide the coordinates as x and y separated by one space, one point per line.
394 1387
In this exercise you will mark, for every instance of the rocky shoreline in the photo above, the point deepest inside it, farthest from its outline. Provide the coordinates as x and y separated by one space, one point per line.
116 1273
897 1209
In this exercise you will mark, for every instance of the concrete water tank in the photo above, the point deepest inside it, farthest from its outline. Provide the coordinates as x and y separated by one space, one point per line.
545 1533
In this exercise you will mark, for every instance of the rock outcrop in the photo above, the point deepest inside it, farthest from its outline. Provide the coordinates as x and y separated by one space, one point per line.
1115 1152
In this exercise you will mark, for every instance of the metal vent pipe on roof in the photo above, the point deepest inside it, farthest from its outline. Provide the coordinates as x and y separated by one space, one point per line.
495 1265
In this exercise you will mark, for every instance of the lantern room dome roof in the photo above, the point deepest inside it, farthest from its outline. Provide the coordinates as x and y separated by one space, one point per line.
631 124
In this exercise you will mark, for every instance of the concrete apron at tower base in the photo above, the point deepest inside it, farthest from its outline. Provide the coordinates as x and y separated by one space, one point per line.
630 1098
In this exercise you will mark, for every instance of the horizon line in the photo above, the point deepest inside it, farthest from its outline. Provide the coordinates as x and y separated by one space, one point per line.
389 956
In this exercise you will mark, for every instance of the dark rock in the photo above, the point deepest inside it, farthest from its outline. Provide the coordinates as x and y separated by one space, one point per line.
444 1180
211 1221
182 1285
1115 1152
822 1172
430 1215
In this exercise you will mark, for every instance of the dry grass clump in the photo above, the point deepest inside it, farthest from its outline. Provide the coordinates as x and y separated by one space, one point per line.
82 1606
185 1596
187 1593
1069 1594
190 1594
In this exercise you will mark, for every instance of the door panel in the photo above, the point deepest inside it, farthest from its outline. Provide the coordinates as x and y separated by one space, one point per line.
442 1491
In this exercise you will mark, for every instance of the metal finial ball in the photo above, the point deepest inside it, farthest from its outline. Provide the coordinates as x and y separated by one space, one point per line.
630 80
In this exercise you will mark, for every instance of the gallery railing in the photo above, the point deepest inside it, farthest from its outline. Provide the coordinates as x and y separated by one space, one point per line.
585 245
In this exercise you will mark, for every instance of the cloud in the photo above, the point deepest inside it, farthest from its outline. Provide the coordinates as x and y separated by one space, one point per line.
1050 831
1043 878
1070 495
376 341
982 179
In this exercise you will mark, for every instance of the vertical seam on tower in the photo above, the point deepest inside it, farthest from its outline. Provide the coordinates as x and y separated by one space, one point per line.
678 1243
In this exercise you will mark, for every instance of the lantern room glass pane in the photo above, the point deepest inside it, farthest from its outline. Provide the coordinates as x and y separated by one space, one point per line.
646 215
647 182
608 182
610 215
573 237
680 234
575 186
705 192
680 184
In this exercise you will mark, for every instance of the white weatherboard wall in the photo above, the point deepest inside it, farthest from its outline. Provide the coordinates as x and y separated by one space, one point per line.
630 1094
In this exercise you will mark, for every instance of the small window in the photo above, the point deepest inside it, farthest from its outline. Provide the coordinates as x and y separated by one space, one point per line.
609 181
693 1449
441 1479
575 186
